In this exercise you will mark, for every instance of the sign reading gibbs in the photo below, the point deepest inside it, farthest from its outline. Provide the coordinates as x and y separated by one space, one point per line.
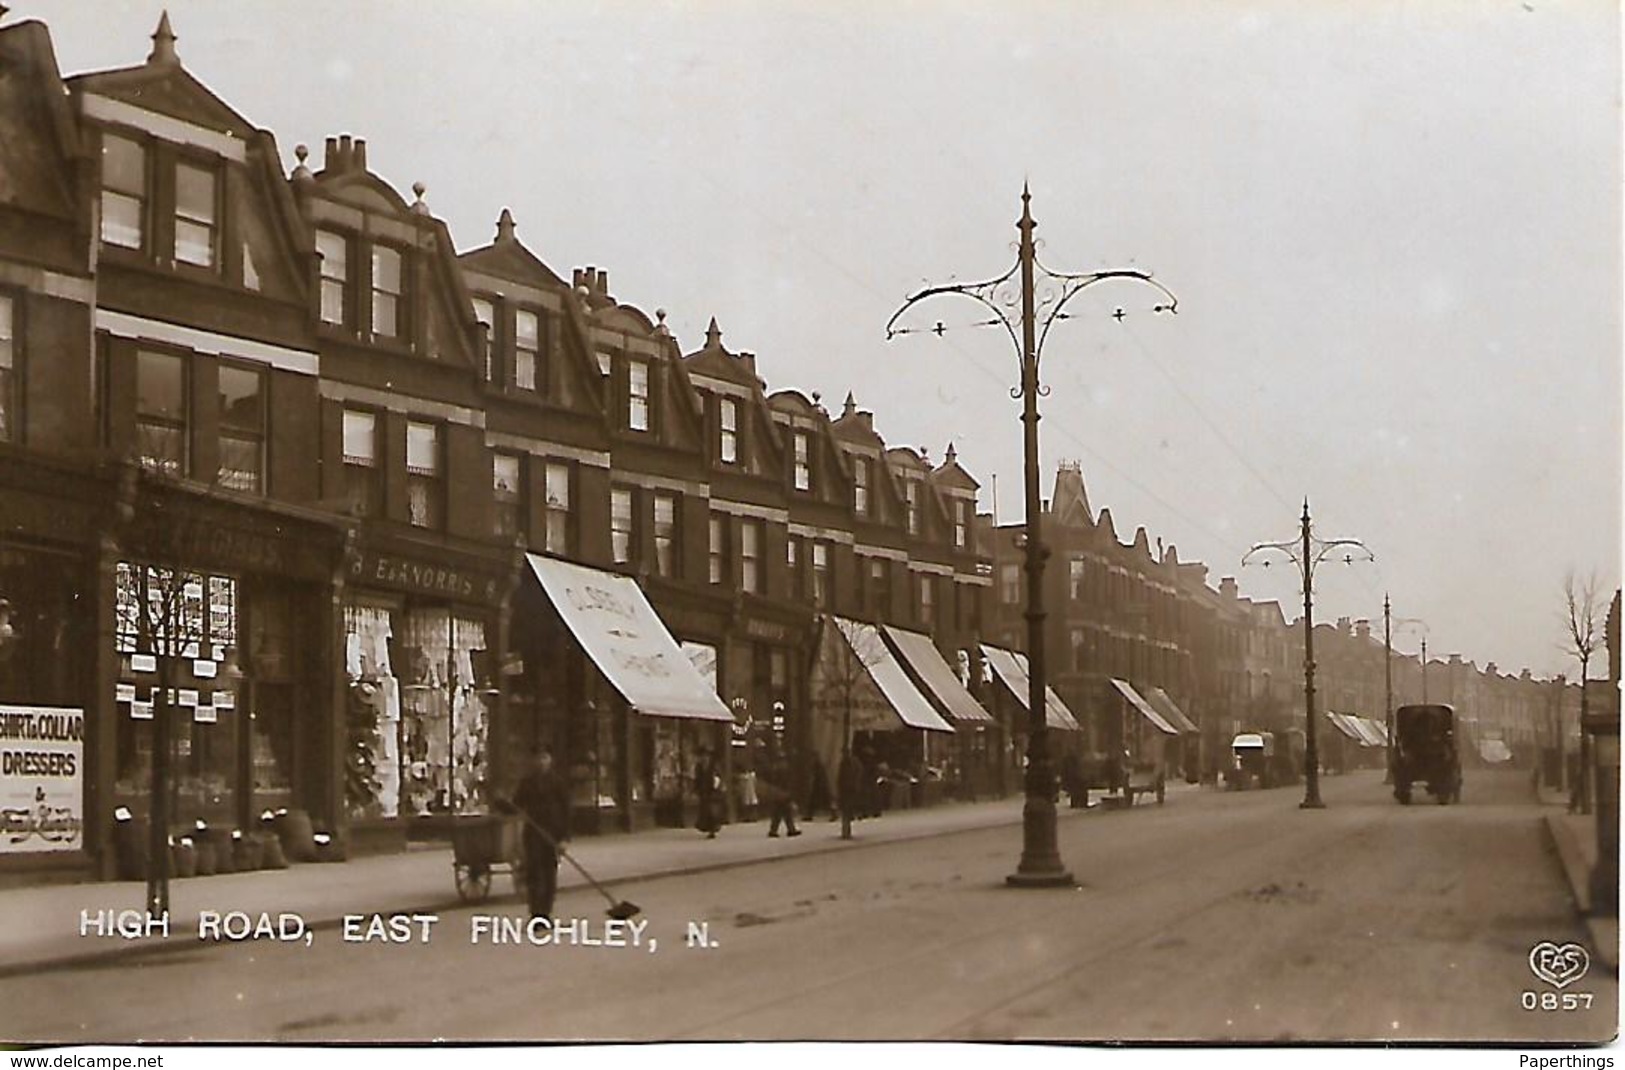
42 751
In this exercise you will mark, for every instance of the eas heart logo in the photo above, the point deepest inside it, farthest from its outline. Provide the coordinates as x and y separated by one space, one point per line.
1558 966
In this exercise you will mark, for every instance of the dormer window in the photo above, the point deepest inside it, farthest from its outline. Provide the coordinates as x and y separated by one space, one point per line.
728 445
637 396
605 362
334 250
486 313
124 192
527 335
961 525
911 499
386 292
860 486
803 461
195 195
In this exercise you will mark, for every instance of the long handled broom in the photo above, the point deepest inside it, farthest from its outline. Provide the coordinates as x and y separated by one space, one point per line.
619 909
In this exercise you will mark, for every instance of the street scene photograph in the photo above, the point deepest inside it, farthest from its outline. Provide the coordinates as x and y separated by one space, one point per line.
1063 524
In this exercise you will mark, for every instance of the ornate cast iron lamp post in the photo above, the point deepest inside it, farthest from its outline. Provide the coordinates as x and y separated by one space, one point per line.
1018 306
1307 552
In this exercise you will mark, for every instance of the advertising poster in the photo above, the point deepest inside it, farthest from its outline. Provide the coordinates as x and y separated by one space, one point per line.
42 750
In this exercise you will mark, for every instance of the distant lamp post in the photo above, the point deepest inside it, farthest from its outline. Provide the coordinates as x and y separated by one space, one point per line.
1307 552
1017 308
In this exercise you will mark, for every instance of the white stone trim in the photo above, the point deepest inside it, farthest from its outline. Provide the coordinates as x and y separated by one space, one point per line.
722 386
392 402
124 325
509 290
807 531
887 552
653 482
974 581
552 451
179 131
931 567
50 283
755 512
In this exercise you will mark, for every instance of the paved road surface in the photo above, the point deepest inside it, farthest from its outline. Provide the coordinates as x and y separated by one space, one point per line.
1215 917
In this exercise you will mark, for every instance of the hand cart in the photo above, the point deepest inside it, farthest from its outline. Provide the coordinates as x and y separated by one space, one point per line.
482 844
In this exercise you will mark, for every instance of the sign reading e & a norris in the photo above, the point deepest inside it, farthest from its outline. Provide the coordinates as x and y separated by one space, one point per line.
42 751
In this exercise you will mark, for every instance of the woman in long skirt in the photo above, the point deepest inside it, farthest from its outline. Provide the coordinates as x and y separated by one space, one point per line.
706 784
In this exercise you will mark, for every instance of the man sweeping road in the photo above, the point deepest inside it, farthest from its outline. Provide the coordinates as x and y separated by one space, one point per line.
545 801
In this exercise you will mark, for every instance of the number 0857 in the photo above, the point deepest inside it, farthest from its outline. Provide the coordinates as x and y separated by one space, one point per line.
1556 1001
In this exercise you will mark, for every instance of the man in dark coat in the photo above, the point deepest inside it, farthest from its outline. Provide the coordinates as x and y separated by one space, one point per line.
780 799
544 800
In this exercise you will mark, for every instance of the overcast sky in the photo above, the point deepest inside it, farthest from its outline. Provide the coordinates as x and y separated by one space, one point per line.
1393 228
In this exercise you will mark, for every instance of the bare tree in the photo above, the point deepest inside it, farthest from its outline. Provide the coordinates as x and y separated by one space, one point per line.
1582 634
842 688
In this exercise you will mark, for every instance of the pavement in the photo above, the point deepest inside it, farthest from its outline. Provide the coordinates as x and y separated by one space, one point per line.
1574 837
41 927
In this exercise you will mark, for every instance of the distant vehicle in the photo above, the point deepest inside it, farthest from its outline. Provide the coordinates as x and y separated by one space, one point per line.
1253 753
1494 751
1426 752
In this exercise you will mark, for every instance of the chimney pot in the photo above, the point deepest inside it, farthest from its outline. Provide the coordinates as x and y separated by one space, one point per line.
360 162
330 155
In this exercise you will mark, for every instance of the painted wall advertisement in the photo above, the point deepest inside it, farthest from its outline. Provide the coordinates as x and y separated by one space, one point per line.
42 750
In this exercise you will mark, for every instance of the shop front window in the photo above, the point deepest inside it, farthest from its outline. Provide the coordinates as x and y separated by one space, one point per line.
444 719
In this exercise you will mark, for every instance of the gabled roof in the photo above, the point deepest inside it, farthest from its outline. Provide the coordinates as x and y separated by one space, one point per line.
950 474
508 257
30 180
857 426
716 360
162 85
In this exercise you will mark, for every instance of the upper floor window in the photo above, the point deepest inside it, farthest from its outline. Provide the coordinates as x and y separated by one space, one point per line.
1010 584
160 411
507 494
717 548
195 215
794 557
637 396
728 446
334 250
556 489
605 362
860 486
9 424
750 555
386 292
242 429
486 313
527 334
820 571
361 477
961 525
124 192
1077 569
425 497
879 588
928 600
665 508
911 502
620 524
803 461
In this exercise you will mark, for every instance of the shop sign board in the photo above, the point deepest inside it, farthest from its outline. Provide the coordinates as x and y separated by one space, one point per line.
42 751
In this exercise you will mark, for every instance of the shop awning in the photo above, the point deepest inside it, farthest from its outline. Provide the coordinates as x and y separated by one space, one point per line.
1369 730
1138 702
920 654
1011 669
1170 710
911 707
1343 726
626 639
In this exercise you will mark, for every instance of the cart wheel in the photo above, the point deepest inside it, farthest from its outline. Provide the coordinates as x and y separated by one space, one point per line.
473 883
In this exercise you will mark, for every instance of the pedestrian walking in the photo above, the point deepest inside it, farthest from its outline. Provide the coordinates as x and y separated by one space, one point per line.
781 801
707 789
544 800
